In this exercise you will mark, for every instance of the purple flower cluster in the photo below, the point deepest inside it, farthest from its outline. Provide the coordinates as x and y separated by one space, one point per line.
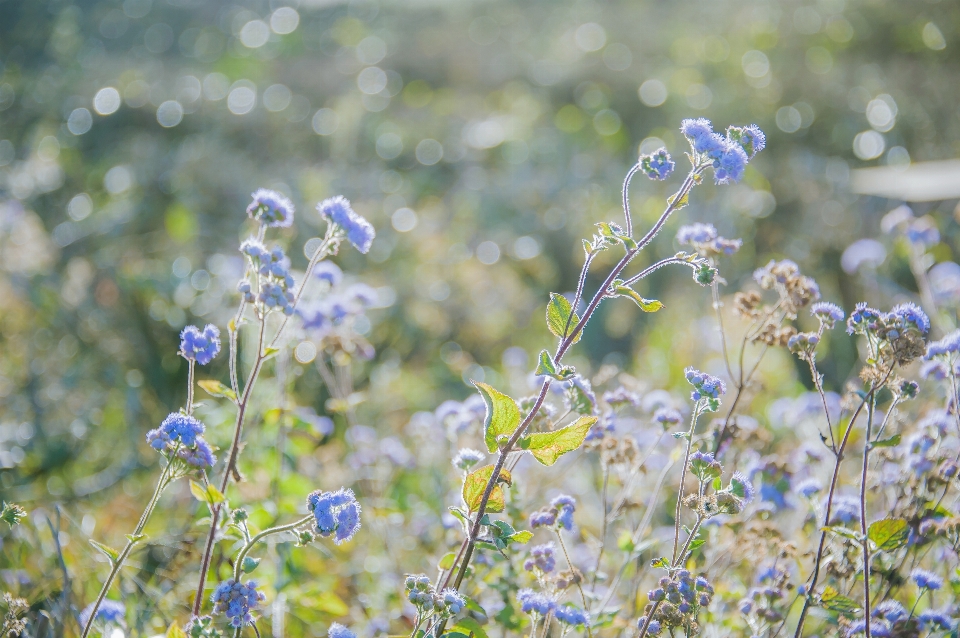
945 347
728 155
199 346
270 208
340 631
926 579
359 231
657 165
532 602
559 513
828 313
337 307
183 431
541 558
696 233
237 601
705 386
571 615
336 513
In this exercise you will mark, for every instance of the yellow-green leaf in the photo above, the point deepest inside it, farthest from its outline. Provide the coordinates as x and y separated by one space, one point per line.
174 631
469 626
558 313
547 447
680 204
646 305
834 601
889 534
503 415
111 554
447 561
523 536
216 389
475 484
209 494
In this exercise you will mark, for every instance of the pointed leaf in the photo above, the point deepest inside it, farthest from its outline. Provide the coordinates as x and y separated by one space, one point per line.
893 441
546 366
839 530
135 538
558 313
475 484
680 204
834 601
889 534
111 554
174 631
447 561
269 352
547 447
249 564
216 389
522 536
647 305
503 415
470 626
199 492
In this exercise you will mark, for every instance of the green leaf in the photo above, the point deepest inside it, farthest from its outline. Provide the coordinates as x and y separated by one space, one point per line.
446 562
111 554
558 311
646 305
174 631
547 367
547 447
502 528
475 484
839 530
470 625
889 534
269 352
459 514
249 564
681 203
209 494
503 415
893 441
834 601
135 538
456 634
625 542
521 537
660 563
216 389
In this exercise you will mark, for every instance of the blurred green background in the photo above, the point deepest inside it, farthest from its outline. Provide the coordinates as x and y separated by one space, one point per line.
482 139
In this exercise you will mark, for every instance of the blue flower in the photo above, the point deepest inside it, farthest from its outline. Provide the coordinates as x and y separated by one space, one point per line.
271 208
731 164
110 611
862 318
467 458
653 628
571 615
329 272
657 165
542 558
950 344
940 618
565 506
201 456
926 579
532 602
878 628
808 488
667 416
705 385
846 509
337 210
237 601
701 135
198 346
340 631
828 313
890 610
543 518
750 138
176 427
696 233
335 513
912 313
273 295
453 601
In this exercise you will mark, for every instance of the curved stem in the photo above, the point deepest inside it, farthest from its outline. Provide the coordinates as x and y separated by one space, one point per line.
863 519
683 478
626 198
122 557
561 350
657 266
238 567
583 596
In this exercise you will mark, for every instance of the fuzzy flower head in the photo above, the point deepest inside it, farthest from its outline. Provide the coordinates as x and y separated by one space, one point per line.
944 348
657 165
846 509
199 346
937 619
237 601
467 458
336 513
571 615
337 211
750 138
863 319
176 428
727 155
912 315
891 610
110 611
340 631
697 233
741 487
705 386
200 456
565 506
532 602
452 601
541 558
828 313
926 579
270 208
667 417
329 272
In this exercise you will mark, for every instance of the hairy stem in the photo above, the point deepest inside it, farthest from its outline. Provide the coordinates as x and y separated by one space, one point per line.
863 518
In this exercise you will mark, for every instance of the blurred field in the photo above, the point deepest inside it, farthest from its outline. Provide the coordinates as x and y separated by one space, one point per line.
483 140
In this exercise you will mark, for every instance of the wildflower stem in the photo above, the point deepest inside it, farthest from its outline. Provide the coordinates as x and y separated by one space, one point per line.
238 567
676 563
122 557
829 509
657 266
583 596
683 477
190 367
602 292
229 470
626 198
863 517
